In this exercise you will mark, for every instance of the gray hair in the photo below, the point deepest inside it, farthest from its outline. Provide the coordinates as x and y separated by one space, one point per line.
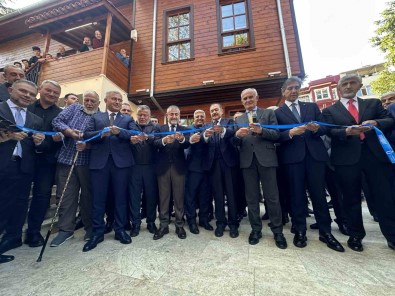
199 111
9 67
92 92
172 107
253 90
53 82
143 108
349 77
289 81
390 93
24 81
109 93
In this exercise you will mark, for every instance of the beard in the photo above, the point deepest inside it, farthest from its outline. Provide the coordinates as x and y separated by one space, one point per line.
90 112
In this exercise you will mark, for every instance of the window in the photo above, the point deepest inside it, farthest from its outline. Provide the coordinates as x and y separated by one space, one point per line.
234 25
334 93
369 90
178 35
321 94
305 98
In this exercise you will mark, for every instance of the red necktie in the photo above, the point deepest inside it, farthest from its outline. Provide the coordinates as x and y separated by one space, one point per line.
354 112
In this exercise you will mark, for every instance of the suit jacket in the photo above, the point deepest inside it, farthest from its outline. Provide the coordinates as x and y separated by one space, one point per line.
145 152
4 93
294 150
262 145
116 145
171 153
346 150
195 154
28 147
228 151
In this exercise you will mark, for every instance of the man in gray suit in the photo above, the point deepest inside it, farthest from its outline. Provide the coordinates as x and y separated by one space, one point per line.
258 161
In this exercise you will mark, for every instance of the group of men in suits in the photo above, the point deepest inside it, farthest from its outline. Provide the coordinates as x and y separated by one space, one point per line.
183 167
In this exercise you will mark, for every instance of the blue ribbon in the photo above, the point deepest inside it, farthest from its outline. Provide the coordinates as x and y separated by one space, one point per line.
382 139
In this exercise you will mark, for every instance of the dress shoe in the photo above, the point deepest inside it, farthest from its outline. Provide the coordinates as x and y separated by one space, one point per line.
265 216
93 242
6 258
233 232
152 228
314 226
300 239
280 240
109 225
135 231
206 226
161 232
342 227
331 242
193 228
123 237
254 237
34 240
181 232
9 244
391 245
355 244
219 231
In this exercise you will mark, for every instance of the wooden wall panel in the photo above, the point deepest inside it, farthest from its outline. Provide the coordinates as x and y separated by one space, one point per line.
267 57
21 48
117 72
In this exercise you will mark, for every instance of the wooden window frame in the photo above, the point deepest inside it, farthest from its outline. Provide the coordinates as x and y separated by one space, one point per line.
249 30
165 44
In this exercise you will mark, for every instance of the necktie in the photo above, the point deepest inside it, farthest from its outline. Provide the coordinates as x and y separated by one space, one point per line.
173 128
112 118
354 113
216 135
19 121
251 117
295 112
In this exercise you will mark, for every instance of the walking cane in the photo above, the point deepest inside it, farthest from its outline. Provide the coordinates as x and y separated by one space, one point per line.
57 208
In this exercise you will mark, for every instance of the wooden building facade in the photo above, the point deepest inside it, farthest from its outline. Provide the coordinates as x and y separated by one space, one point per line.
190 53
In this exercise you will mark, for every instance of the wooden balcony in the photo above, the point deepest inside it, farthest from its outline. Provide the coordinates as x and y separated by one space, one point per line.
86 65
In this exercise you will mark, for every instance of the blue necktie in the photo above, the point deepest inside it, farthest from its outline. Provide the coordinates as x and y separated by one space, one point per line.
295 112
19 121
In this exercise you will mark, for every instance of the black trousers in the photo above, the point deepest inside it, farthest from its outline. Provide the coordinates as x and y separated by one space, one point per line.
197 195
378 176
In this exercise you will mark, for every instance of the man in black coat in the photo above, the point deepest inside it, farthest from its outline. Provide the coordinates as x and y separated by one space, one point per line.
11 74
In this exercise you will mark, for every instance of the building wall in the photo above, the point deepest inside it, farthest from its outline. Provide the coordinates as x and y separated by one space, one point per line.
208 64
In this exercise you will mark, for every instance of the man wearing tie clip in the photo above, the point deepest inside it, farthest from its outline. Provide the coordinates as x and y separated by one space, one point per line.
258 161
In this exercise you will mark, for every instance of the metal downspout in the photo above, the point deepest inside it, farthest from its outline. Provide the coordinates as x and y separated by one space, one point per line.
284 39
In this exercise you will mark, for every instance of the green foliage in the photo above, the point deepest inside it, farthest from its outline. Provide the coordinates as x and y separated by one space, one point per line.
384 39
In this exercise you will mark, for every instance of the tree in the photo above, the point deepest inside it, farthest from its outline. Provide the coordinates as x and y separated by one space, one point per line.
5 7
385 41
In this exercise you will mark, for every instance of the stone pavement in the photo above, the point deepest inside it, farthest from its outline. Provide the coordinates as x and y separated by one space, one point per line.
204 265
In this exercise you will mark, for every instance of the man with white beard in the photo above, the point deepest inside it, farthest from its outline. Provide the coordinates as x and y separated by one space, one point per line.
71 122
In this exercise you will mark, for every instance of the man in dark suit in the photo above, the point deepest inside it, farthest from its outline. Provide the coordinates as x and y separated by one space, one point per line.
17 151
171 170
221 162
11 74
110 160
303 155
143 176
258 161
356 150
197 185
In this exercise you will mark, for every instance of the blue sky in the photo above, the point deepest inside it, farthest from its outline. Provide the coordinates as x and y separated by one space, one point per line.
334 34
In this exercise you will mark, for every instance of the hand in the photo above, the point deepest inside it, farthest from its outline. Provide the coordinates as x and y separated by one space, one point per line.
134 139
18 136
218 129
372 122
80 146
180 137
297 130
168 139
114 130
57 137
209 132
72 133
38 138
313 127
242 132
106 134
142 137
4 136
355 131
195 138
255 128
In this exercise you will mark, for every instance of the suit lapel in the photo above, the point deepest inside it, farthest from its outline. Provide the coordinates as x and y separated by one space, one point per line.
344 111
118 118
362 108
7 113
303 111
287 112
